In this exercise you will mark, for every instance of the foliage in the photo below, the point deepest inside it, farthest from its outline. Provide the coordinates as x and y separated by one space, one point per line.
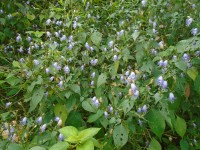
70 68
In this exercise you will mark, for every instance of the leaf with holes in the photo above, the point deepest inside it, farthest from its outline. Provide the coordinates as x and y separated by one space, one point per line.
120 135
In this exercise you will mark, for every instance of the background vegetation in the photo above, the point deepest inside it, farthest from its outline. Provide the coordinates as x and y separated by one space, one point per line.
99 74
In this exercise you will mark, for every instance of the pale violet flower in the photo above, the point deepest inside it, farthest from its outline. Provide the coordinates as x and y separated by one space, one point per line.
110 44
8 104
93 74
194 31
106 114
160 80
164 85
36 62
18 38
24 121
144 3
74 24
186 57
189 21
139 110
48 21
92 83
144 109
171 97
115 58
39 120
66 69
47 70
48 34
61 137
43 127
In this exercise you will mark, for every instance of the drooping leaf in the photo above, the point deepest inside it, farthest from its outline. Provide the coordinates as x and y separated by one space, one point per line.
154 145
180 126
120 135
60 146
156 122
36 98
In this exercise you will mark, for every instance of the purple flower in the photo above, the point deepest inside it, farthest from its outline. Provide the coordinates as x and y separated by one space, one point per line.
144 3
48 21
93 75
171 97
188 21
106 114
139 110
194 31
186 57
39 120
66 69
61 137
24 121
47 70
144 108
115 58
43 127
164 85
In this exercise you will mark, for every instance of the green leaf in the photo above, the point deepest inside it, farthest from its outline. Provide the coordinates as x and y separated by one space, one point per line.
75 88
154 145
36 98
86 134
94 117
69 131
180 126
37 148
15 146
120 135
135 35
197 83
101 79
156 122
127 105
88 145
181 65
16 64
87 106
192 73
116 66
60 146
184 145
96 38
61 111
82 37
30 16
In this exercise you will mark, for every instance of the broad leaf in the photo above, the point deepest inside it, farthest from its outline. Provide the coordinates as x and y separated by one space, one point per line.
120 135
156 122
180 126
192 73
38 148
36 98
184 145
15 146
154 145
75 88
86 134
68 131
88 145
94 117
87 106
96 38
60 146
181 65
101 79
61 111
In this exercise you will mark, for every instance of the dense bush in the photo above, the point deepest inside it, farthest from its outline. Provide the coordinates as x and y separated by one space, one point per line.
125 72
